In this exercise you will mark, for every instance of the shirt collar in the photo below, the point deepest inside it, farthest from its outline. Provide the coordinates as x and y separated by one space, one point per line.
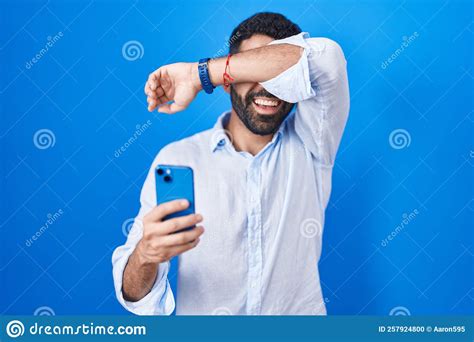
221 137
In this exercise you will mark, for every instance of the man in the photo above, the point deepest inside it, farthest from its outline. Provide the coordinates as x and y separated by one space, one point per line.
262 180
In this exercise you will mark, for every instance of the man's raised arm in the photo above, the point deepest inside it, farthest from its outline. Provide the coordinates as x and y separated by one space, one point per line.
180 82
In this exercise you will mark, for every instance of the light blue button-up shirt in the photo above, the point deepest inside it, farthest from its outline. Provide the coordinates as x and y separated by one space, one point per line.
263 214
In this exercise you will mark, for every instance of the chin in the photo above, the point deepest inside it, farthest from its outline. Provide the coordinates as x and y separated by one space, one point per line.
263 129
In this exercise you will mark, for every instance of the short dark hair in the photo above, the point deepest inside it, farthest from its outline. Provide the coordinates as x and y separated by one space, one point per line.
274 25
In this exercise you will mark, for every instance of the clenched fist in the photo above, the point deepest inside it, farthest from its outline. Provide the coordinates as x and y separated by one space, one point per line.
178 82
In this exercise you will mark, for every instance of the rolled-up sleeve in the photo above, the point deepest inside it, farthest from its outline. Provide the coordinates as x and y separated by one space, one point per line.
318 84
160 300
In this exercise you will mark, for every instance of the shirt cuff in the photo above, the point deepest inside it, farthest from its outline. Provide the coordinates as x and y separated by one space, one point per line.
159 301
294 84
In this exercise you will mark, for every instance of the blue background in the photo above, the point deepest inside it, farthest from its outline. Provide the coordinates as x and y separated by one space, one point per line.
91 98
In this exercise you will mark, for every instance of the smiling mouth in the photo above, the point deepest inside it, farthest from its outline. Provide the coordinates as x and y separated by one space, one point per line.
265 105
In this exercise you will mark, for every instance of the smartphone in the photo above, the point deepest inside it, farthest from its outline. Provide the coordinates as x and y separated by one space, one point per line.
175 182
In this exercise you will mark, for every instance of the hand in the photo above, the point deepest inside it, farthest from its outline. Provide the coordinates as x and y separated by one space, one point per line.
177 82
158 243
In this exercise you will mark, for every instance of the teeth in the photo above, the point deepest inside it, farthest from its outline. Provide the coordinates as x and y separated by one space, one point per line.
262 102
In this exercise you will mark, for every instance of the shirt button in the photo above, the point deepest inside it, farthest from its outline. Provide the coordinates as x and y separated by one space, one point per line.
253 284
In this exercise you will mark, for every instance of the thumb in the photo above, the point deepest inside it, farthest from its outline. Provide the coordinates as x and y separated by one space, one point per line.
170 108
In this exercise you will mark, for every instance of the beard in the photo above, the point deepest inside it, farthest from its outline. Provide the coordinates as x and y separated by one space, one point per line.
260 124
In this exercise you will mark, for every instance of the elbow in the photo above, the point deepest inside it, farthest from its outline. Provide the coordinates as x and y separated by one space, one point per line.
328 57
336 60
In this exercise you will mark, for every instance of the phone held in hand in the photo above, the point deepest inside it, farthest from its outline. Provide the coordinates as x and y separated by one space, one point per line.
175 182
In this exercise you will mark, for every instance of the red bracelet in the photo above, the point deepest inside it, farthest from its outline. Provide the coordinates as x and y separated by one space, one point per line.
226 78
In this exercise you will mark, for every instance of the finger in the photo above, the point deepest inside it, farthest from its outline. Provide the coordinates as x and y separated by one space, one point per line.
164 98
176 250
159 92
152 103
156 102
153 95
159 95
145 88
178 223
161 100
171 108
155 79
182 238
165 209
153 82
148 88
